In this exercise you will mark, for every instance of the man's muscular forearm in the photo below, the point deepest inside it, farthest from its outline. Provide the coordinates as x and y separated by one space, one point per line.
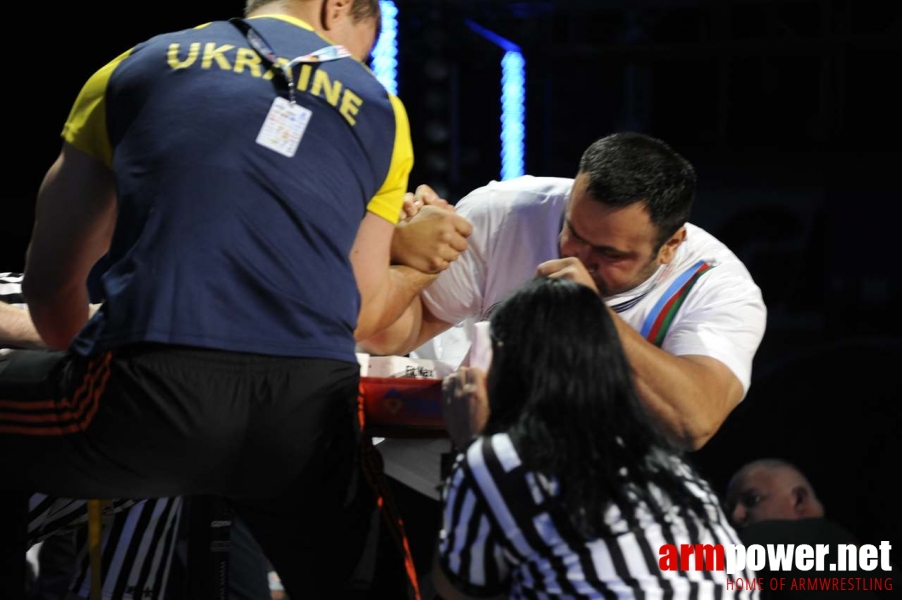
17 330
401 290
688 396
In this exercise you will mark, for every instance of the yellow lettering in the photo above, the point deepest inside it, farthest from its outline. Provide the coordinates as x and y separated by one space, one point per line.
350 106
271 72
322 82
172 57
250 59
211 53
304 78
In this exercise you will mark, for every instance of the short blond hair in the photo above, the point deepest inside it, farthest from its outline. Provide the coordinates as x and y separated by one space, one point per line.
360 9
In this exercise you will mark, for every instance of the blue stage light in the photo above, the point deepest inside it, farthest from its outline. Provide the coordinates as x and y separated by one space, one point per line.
513 103
385 53
513 114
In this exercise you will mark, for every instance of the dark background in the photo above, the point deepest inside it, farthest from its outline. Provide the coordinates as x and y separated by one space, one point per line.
789 110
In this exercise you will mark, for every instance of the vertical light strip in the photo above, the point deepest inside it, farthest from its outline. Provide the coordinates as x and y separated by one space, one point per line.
513 103
385 53
513 114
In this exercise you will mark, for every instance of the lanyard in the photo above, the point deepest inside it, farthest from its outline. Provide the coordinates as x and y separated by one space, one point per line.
265 51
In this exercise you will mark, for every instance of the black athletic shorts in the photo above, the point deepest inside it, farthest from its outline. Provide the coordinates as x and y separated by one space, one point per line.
278 436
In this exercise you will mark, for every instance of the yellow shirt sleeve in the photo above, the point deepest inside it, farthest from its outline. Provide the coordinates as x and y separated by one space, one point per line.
86 126
388 200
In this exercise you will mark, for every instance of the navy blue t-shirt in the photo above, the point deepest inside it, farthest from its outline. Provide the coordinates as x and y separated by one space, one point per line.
221 242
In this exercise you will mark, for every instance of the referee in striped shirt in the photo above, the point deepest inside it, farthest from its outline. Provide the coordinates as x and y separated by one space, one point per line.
569 491
137 545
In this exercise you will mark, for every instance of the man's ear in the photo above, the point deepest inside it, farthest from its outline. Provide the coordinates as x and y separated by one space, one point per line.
333 11
801 497
669 248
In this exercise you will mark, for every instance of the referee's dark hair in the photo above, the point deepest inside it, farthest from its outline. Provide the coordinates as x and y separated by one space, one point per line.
560 385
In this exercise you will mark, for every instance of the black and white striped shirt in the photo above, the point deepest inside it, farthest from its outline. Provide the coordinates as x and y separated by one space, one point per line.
137 545
11 289
505 531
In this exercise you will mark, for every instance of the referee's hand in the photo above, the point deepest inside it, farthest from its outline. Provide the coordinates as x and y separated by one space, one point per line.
465 405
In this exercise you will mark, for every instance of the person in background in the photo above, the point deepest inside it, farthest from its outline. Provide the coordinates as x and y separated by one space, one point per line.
770 501
771 489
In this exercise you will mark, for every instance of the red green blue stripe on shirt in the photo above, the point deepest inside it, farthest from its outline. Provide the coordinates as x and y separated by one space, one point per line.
658 321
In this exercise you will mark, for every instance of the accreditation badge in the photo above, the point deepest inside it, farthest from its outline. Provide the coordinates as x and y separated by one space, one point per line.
284 127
